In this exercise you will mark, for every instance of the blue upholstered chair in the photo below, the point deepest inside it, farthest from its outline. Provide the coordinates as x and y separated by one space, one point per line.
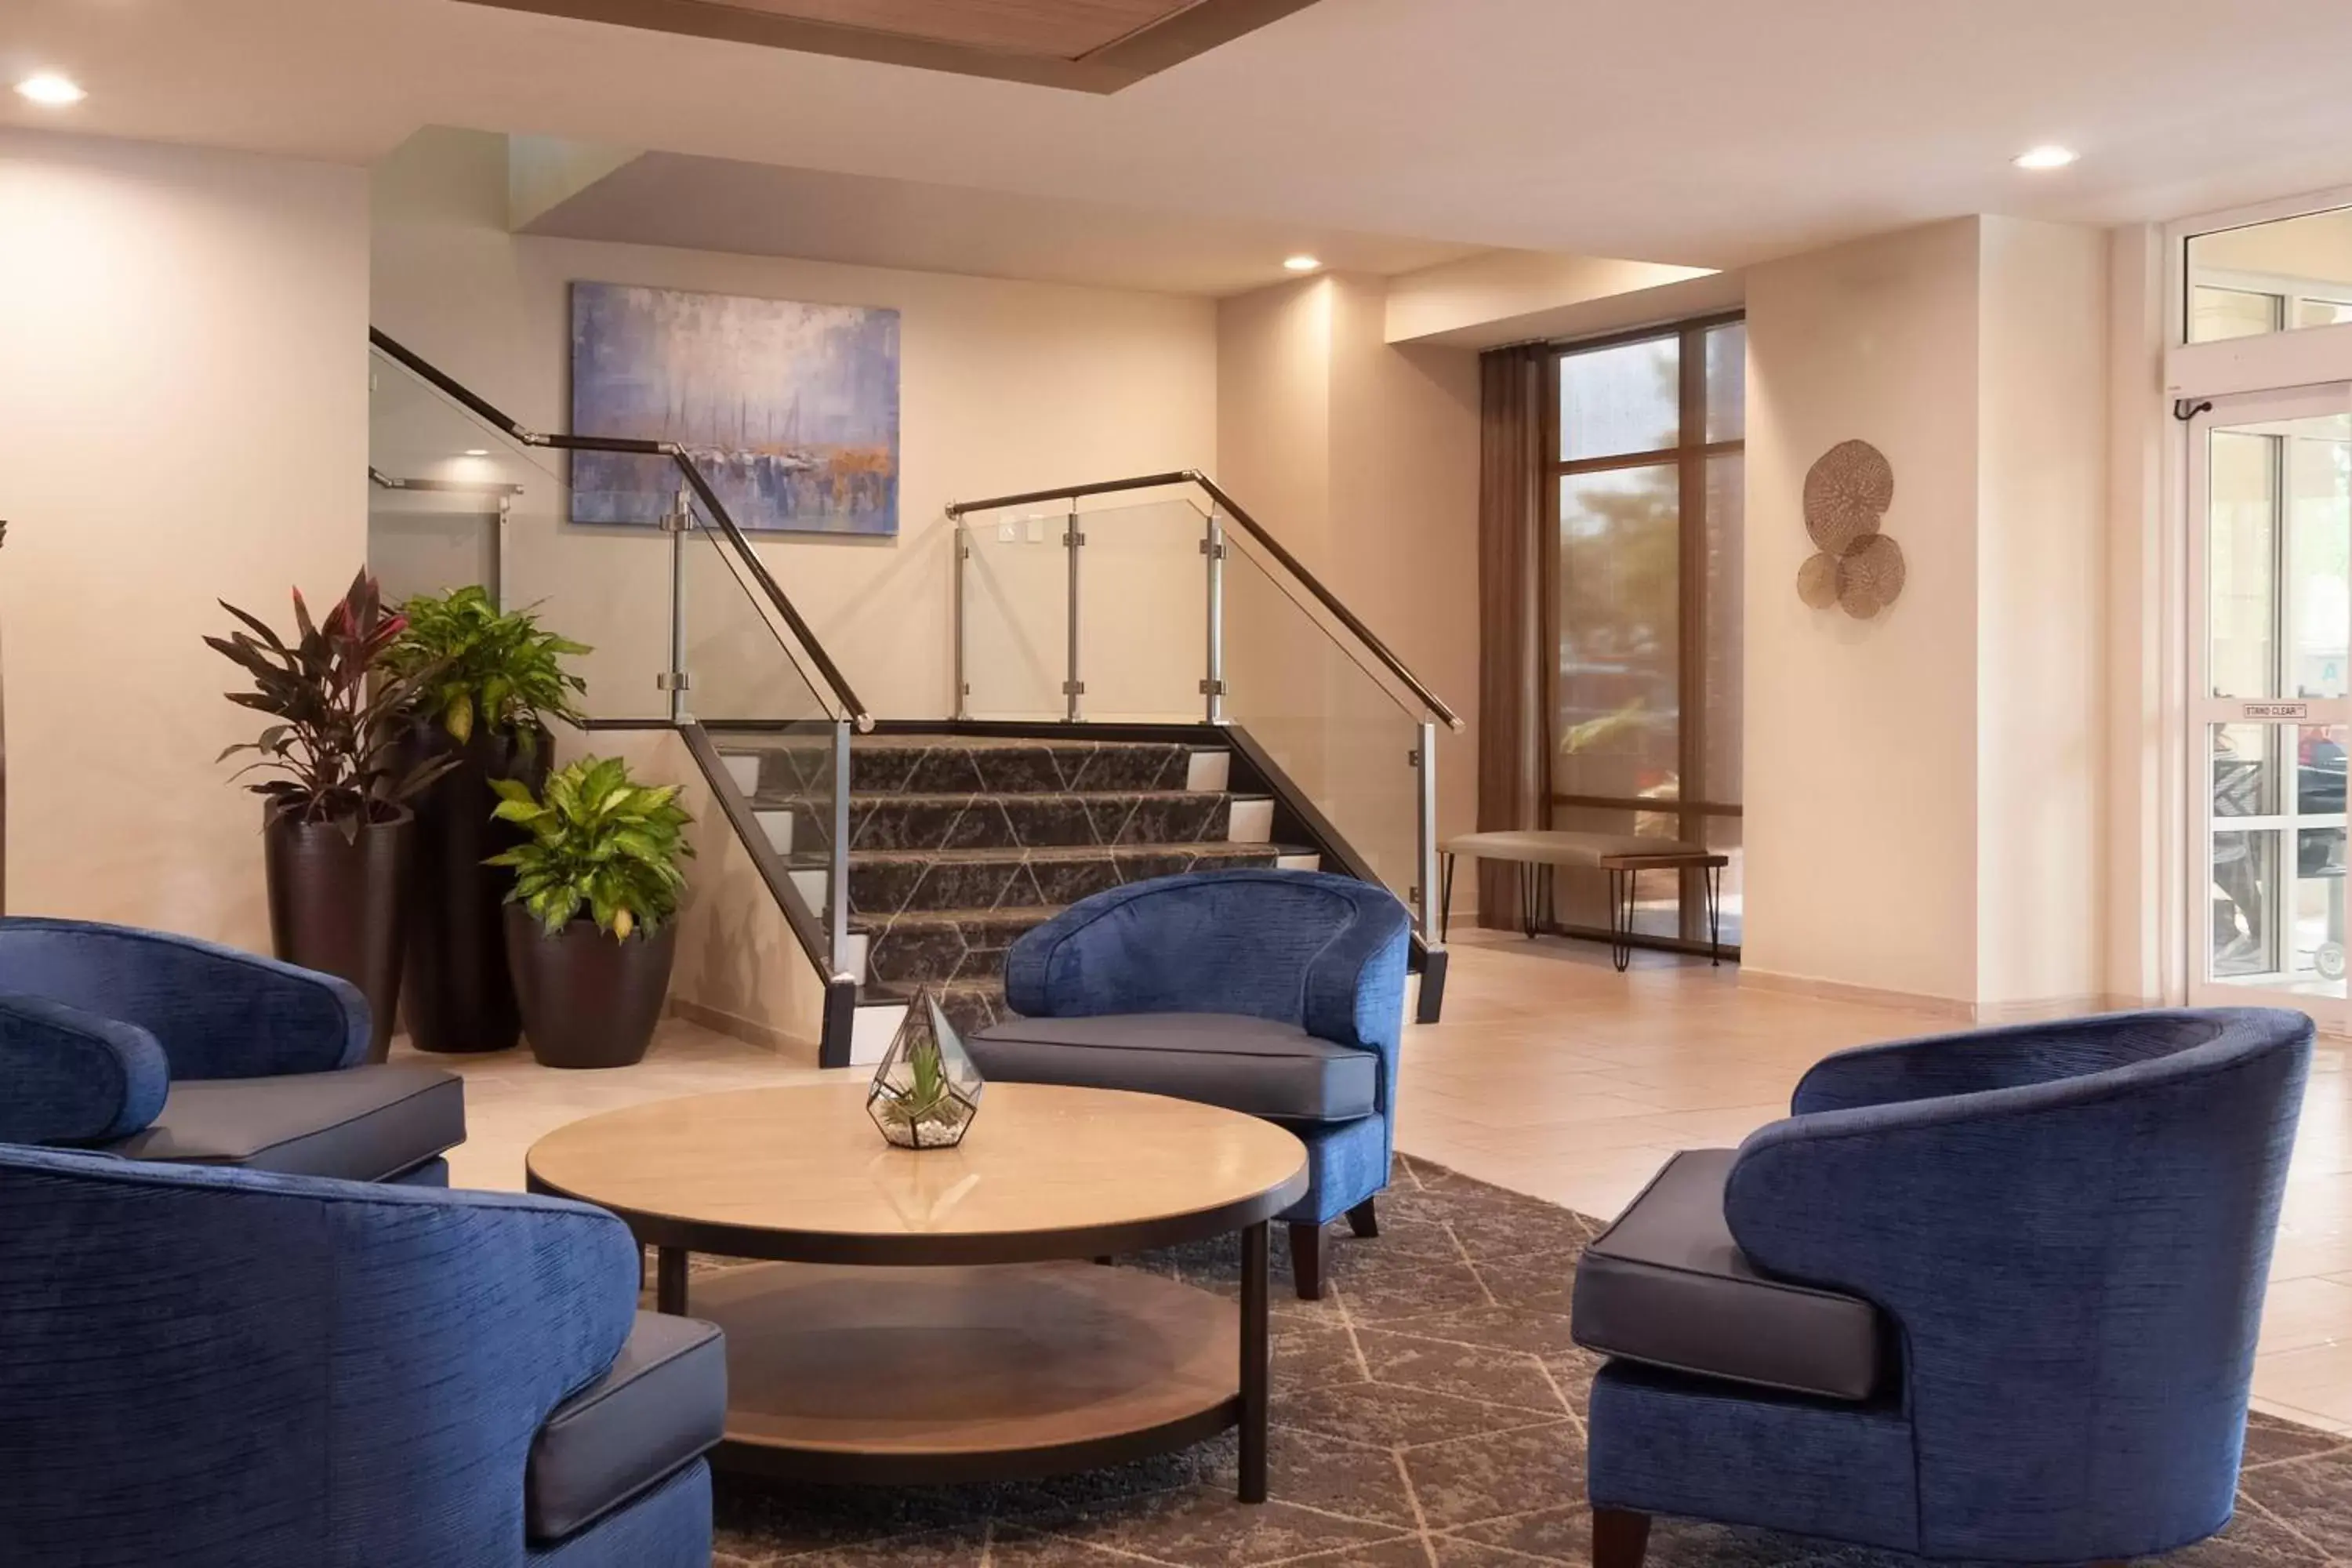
164 1047
1276 992
1991 1295
207 1368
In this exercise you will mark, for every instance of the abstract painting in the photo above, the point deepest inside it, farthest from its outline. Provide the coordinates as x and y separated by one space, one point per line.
790 410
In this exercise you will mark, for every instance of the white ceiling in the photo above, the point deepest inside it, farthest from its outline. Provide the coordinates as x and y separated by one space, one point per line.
758 209
1701 132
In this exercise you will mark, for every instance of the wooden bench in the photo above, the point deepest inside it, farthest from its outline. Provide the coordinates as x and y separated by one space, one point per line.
1622 857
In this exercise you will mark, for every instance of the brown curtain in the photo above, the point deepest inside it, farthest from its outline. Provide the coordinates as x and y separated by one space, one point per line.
1512 784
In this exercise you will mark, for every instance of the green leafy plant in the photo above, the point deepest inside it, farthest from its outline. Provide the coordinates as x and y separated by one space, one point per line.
600 841
336 741
483 666
925 1099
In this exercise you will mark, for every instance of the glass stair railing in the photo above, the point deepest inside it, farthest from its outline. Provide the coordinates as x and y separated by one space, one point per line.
690 631
1158 600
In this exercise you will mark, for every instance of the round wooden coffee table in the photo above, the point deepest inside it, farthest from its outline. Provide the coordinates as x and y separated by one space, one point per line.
929 1318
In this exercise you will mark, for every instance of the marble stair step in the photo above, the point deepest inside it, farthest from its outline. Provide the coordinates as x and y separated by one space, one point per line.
934 946
891 882
1028 821
970 1005
767 765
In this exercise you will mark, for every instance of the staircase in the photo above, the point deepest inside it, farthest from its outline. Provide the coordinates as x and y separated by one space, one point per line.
960 843
1099 734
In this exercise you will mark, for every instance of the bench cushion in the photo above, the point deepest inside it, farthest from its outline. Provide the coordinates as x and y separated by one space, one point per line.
661 1407
361 1124
1251 1065
1553 847
1667 1285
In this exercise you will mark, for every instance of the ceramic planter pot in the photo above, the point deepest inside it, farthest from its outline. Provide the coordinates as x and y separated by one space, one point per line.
341 906
587 999
459 993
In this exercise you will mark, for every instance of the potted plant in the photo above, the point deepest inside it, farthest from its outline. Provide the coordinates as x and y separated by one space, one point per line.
335 825
589 924
486 684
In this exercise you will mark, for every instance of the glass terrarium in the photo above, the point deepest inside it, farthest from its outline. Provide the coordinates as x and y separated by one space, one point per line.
926 1091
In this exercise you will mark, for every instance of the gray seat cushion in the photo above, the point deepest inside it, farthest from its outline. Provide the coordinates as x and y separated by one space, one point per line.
1254 1065
362 1123
663 1404
1667 1286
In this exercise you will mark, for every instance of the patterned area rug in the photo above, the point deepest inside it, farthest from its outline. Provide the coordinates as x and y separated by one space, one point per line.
1427 1413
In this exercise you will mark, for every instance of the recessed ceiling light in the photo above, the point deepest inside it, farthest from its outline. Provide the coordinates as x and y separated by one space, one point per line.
2045 157
1301 263
50 91
477 451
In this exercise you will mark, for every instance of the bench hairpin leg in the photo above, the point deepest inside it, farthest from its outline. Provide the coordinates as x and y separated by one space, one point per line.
1446 901
1623 882
1715 915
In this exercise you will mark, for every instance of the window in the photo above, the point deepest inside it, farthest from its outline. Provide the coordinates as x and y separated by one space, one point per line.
2279 276
1644 605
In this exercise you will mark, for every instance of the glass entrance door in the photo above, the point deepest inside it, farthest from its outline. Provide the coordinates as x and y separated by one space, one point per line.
2271 709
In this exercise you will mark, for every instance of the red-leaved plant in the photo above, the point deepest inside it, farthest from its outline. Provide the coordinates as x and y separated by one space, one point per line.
337 742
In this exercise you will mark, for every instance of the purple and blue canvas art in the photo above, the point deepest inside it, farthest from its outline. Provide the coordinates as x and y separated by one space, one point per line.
790 410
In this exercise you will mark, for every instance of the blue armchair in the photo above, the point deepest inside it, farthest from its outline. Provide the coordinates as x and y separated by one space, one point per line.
230 1369
1991 1295
164 1047
1276 992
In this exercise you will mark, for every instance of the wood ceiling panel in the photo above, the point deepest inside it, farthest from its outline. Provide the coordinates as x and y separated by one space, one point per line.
1091 45
1053 30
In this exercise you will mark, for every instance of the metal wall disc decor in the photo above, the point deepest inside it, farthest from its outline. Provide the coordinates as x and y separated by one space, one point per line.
1858 569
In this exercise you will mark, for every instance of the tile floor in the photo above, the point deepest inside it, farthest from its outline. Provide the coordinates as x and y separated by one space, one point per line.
1556 1077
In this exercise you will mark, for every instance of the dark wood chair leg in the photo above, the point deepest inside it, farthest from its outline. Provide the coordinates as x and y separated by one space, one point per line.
1364 1220
1620 1538
1307 1260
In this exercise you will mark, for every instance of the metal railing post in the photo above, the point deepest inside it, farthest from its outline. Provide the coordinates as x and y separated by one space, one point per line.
1425 761
1074 689
963 566
838 896
674 681
1213 688
499 554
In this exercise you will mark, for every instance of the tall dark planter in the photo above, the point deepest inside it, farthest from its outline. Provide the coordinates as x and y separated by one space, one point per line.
459 993
587 999
341 905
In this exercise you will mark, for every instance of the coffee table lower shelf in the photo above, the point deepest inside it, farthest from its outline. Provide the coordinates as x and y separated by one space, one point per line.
912 1376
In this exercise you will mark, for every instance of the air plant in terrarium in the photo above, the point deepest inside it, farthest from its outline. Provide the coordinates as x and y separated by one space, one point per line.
926 1090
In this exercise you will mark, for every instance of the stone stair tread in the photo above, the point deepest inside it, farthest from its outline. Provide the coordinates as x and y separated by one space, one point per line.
1003 914
969 1005
767 801
1208 849
754 740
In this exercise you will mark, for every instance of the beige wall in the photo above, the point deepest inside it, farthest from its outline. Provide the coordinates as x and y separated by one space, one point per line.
1926 792
2142 861
1004 386
182 416
2042 527
1362 459
1859 772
